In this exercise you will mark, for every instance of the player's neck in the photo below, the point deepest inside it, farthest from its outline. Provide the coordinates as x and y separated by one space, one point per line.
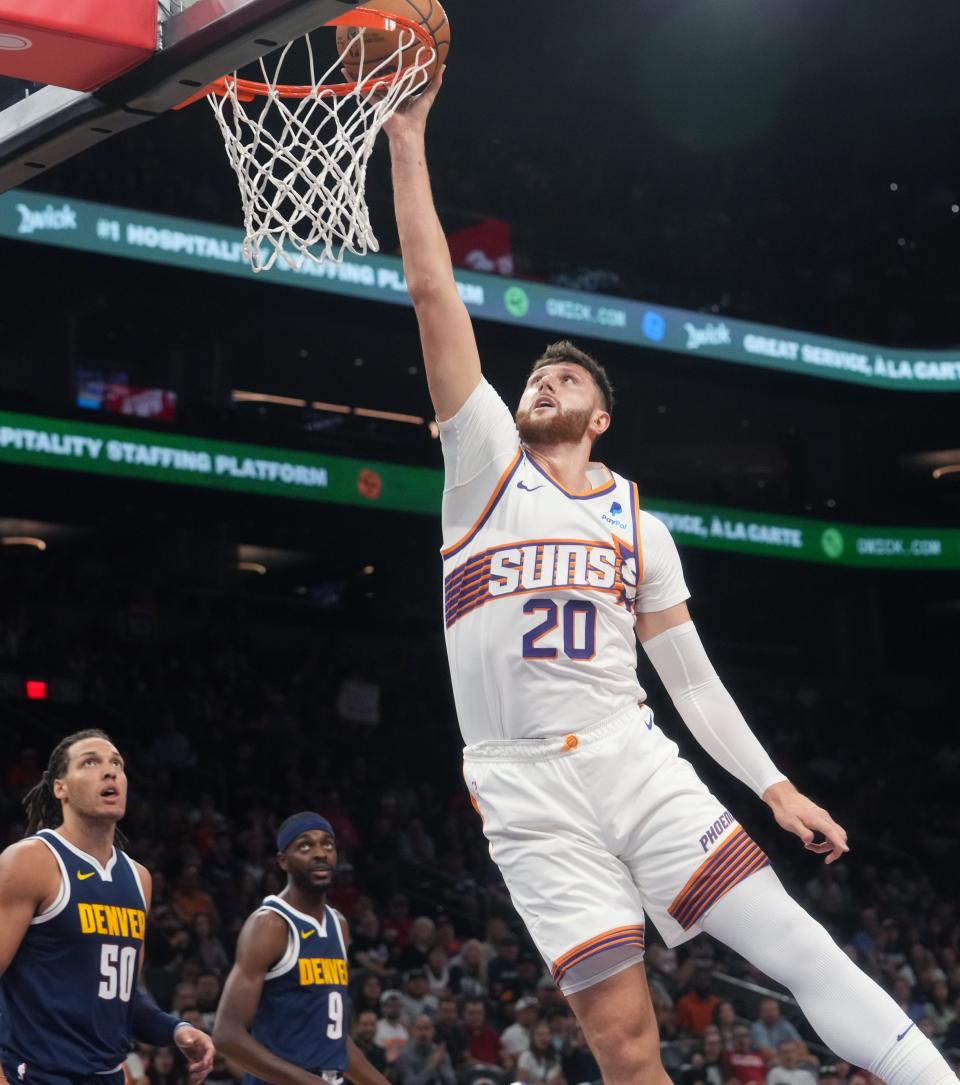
95 837
565 463
312 904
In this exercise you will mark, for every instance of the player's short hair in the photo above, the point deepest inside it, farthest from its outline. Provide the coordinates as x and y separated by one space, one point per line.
565 351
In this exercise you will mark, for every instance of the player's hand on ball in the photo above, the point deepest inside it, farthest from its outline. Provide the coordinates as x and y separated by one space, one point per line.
797 814
198 1050
412 115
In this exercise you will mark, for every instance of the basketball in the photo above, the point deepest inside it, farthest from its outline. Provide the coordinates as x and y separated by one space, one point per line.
380 45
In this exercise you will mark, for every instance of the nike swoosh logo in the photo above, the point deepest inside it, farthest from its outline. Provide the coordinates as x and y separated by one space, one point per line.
83 877
307 934
529 489
905 1031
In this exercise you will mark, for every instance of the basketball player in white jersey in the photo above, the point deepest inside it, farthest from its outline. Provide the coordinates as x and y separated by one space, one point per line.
551 572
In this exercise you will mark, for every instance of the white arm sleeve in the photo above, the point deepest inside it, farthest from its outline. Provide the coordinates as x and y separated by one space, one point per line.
707 708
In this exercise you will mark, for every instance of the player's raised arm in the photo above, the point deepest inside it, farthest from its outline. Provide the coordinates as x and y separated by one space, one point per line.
449 348
262 943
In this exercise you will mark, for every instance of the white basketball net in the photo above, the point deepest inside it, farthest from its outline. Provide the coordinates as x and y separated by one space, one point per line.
301 162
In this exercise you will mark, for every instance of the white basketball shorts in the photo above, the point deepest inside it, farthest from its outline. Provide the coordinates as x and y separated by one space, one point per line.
594 830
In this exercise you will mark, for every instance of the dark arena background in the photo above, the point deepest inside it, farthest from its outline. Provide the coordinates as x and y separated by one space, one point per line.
219 497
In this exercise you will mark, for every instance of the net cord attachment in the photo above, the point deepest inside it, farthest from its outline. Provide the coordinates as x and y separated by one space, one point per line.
300 151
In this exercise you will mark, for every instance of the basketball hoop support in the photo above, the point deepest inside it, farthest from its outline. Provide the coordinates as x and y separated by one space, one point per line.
197 46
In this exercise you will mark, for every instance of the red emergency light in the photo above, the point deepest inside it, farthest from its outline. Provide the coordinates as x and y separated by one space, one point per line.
36 689
80 44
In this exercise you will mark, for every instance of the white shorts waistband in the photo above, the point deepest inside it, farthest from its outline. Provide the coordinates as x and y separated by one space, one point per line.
545 749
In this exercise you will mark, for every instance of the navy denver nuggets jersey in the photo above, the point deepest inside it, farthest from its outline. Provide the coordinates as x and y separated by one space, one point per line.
303 1014
67 991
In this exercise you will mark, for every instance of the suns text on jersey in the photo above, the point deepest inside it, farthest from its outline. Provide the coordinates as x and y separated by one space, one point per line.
538 566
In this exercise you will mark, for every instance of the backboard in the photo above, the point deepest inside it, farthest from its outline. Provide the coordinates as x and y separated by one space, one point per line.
198 41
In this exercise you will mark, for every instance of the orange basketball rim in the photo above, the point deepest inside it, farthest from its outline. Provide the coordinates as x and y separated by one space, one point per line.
246 90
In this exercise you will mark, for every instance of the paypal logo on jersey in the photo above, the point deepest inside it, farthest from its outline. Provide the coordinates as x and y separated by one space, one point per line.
615 517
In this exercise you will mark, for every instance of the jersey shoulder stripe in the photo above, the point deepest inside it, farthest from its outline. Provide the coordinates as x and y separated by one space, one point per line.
637 538
501 485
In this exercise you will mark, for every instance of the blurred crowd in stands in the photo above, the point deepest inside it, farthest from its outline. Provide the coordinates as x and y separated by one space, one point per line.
234 714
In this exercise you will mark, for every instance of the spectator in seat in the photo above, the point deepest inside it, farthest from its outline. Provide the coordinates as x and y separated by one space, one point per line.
449 1031
578 1063
951 1039
771 1028
726 1020
422 1061
344 894
438 971
939 1009
368 950
164 1068
468 971
416 953
516 1037
708 1068
790 1071
743 1064
483 1040
391 1032
903 996
364 1036
208 987
190 900
540 1065
502 971
207 947
366 993
695 1008
417 999
397 922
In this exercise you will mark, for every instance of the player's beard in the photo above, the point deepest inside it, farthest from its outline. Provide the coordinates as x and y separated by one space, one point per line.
558 428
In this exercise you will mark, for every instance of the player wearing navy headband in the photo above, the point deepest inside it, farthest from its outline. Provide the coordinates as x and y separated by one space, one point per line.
284 1015
72 922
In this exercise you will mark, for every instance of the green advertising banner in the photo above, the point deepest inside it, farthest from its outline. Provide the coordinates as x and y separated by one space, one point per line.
221 465
808 540
122 452
198 246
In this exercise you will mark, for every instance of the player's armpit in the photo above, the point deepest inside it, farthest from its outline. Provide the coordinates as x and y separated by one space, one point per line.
29 883
652 625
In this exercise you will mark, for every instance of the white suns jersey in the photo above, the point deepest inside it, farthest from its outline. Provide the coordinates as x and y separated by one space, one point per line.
541 585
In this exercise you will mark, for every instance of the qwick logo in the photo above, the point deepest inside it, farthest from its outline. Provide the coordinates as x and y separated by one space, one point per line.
49 218
529 489
711 335
616 510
